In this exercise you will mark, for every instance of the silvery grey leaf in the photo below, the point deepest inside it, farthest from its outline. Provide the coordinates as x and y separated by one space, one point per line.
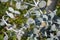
24 7
2 23
35 38
53 27
55 11
17 12
19 34
41 12
34 1
14 25
42 4
37 2
6 37
18 0
18 37
58 21
26 15
27 25
10 15
45 16
11 28
4 20
18 5
50 21
30 21
36 31
29 4
52 15
58 33
56 38
45 34
40 19
37 13
11 9
51 35
48 38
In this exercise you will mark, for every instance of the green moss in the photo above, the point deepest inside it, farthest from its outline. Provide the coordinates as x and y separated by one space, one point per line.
58 11
1 37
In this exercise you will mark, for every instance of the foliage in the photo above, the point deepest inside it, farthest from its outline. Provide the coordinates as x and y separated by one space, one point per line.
19 19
